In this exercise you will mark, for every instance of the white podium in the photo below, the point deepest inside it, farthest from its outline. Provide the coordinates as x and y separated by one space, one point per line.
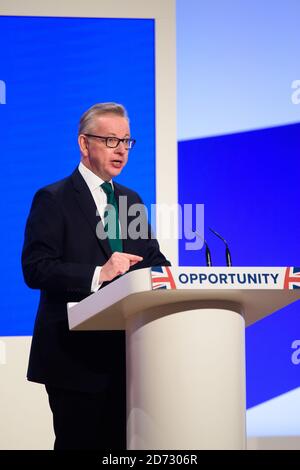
185 349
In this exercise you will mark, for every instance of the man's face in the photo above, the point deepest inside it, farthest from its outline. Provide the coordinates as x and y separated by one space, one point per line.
104 161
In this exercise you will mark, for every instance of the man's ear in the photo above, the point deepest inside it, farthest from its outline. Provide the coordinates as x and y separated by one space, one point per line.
83 144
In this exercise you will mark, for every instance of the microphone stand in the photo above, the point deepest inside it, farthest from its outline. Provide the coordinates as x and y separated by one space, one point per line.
227 252
207 250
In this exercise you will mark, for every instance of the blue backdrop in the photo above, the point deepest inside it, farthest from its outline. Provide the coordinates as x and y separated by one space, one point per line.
54 69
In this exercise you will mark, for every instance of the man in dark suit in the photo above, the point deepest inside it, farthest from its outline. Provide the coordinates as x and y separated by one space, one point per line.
67 257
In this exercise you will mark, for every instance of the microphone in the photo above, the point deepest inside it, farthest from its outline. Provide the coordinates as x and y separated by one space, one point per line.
227 252
207 250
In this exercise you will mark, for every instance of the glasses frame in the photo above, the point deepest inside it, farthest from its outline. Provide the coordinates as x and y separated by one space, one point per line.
129 147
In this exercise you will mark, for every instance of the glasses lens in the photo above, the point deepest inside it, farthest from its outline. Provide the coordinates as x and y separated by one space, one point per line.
112 142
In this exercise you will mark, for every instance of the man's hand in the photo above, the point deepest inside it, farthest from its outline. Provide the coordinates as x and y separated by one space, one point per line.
118 263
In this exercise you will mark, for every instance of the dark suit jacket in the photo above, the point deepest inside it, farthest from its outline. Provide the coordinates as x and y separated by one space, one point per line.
60 254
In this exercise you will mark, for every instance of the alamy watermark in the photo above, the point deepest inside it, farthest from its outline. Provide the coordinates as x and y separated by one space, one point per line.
295 97
2 92
295 357
173 222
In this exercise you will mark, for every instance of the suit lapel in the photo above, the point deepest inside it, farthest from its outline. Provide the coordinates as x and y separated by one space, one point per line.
87 205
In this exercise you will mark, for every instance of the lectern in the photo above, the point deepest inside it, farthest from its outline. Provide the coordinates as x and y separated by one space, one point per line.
185 351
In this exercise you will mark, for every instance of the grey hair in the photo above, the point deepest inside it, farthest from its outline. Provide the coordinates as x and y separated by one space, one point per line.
99 109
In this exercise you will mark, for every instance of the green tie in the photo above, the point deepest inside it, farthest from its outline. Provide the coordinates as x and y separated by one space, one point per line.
112 219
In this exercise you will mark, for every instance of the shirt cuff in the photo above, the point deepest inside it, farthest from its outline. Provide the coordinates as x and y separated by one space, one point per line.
95 281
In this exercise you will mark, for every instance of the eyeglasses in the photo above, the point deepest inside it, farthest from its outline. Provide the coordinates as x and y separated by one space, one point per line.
113 142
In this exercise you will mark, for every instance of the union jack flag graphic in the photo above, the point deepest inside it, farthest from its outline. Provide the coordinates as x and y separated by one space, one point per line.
292 278
162 278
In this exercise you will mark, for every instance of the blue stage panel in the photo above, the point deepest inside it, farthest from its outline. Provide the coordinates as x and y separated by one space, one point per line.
54 69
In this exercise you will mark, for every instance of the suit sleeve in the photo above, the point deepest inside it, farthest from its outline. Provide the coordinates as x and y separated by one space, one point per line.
43 251
154 255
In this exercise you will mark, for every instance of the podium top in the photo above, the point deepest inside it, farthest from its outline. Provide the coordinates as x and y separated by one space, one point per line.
255 291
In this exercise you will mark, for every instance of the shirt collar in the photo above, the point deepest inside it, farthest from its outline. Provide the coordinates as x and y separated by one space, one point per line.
92 180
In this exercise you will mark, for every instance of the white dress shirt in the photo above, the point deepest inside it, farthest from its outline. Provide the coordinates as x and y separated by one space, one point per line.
94 184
